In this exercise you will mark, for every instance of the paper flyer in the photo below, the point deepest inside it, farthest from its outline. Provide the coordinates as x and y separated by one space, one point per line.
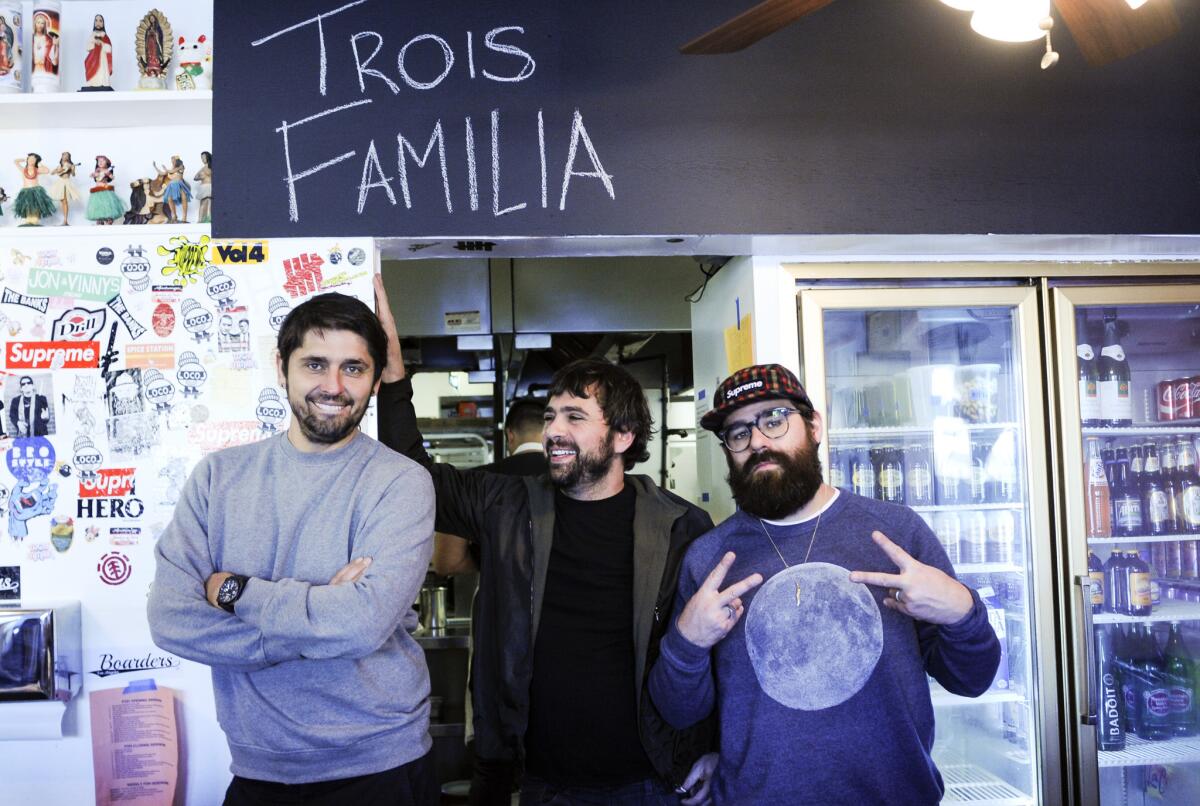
135 746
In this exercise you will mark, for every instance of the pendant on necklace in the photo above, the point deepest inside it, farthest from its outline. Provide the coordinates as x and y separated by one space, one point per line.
797 594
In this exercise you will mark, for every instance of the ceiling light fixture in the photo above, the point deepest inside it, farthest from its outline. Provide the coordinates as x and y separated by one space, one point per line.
1010 20
969 5
1134 4
1050 57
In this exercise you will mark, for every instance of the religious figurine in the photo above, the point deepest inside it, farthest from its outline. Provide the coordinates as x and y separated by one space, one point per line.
62 188
33 202
177 192
195 64
155 43
203 179
103 205
10 46
43 76
98 64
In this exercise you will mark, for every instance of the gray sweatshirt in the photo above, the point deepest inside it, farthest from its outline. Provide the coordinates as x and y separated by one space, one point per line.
312 681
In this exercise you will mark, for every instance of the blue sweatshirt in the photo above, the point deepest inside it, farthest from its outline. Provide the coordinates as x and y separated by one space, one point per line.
835 708
312 681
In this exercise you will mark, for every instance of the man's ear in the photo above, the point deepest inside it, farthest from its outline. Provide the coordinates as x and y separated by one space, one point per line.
621 441
279 369
817 427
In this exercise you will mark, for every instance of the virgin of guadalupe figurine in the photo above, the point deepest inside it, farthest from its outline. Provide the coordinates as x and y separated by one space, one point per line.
203 179
33 202
103 205
8 42
98 65
177 192
155 43
62 188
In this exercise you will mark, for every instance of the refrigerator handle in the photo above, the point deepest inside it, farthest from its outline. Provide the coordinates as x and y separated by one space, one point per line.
1088 711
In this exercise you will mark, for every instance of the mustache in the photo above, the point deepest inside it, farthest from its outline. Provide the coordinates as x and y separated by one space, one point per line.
339 400
762 457
561 442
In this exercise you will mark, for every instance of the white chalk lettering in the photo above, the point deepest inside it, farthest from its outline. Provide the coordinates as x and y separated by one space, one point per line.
292 177
320 37
542 154
472 174
496 211
579 132
489 40
360 66
371 166
403 145
447 55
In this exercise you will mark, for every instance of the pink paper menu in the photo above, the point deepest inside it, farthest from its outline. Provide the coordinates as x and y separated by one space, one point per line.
135 746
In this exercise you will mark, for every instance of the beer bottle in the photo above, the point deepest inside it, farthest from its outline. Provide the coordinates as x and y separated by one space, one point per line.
1111 706
1099 509
862 474
978 480
1154 497
891 475
837 470
1116 585
1136 464
1182 694
1141 601
1116 401
1096 572
1109 455
1127 503
1089 379
1189 487
1171 487
1156 695
1129 661
918 478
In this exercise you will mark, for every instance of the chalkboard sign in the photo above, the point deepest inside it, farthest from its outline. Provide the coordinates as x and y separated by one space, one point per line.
547 118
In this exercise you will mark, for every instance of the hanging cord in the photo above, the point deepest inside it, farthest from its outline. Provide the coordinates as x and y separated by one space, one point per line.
709 271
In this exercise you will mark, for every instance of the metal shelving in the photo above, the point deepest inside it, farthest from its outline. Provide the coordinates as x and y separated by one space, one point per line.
966 783
1168 610
888 431
1139 752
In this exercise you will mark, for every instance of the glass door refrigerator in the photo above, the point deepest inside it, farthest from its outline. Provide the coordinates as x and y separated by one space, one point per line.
1129 382
933 398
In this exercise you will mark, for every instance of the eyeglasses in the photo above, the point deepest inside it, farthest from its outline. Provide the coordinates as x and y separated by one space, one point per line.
772 423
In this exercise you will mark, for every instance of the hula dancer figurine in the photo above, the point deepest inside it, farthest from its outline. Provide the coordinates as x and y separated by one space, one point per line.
203 179
62 188
177 192
3 199
33 202
103 205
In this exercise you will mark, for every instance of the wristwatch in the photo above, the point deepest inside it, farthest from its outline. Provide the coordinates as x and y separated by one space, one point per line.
230 591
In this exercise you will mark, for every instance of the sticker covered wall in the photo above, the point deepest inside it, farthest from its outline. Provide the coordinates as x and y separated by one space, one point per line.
128 356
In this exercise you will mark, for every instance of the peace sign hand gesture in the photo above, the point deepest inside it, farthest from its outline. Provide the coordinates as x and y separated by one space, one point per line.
711 612
919 591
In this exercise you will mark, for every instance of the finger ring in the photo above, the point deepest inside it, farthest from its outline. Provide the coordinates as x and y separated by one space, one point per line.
729 609
897 594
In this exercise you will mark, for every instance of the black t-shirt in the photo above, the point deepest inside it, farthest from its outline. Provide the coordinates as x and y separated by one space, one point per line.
583 725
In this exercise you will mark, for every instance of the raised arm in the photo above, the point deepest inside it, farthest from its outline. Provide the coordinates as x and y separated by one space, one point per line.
299 619
181 619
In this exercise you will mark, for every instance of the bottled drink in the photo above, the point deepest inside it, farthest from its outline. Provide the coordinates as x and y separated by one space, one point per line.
978 479
1158 559
1140 597
974 541
949 487
1174 558
1089 380
1155 695
1189 487
948 528
890 479
1127 503
1154 497
862 473
1182 694
1111 706
918 477
1096 572
1129 660
1109 455
1189 562
1098 506
1001 532
837 468
1136 464
1171 490
1116 583
1116 402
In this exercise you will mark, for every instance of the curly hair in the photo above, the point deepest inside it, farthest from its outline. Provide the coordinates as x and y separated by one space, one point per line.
619 396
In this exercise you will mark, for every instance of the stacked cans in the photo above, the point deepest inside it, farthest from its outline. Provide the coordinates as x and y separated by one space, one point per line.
1179 399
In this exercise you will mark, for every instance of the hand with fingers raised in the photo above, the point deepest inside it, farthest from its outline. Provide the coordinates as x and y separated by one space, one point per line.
711 612
918 590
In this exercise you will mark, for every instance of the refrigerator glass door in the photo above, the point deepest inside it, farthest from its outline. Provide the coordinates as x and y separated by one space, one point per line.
929 405
1131 379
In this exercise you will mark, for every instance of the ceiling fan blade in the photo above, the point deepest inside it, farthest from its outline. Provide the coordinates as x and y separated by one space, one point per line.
1107 30
750 26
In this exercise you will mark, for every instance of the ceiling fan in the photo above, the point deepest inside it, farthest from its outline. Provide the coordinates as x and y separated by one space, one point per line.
1104 30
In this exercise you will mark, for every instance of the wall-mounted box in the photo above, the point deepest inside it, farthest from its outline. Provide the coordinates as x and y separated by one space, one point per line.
41 652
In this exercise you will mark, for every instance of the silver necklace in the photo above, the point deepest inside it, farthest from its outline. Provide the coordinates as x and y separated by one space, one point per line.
811 540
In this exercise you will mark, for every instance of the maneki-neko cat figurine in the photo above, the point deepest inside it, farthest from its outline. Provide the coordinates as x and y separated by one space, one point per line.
155 46
33 202
195 64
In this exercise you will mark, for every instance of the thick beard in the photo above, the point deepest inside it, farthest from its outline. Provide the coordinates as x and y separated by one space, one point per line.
775 494
586 469
324 431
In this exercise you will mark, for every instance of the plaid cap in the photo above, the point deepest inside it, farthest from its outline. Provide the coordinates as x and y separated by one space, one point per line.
750 385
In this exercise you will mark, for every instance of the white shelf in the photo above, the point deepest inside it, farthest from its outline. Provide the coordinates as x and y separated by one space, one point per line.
1168 610
13 234
942 698
987 568
1140 752
966 783
99 110
906 430
1116 541
965 507
1157 429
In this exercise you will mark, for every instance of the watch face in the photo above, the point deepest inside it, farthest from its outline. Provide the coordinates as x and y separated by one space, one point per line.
229 590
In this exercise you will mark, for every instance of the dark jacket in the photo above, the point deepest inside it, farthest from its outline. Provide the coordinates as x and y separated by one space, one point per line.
529 463
512 519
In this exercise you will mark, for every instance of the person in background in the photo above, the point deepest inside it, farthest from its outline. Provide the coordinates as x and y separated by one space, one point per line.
29 412
290 568
493 780
818 675
581 566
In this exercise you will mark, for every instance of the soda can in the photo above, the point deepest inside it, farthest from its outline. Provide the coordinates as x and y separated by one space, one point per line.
862 473
1183 399
1166 401
1194 394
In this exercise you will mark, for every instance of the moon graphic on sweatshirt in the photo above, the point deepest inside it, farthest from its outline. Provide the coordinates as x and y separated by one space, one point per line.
816 649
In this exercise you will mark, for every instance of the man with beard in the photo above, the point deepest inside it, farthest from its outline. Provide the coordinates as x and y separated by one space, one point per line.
818 673
290 568
581 566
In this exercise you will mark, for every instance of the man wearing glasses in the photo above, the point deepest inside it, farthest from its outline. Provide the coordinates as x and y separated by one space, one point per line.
29 413
816 659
